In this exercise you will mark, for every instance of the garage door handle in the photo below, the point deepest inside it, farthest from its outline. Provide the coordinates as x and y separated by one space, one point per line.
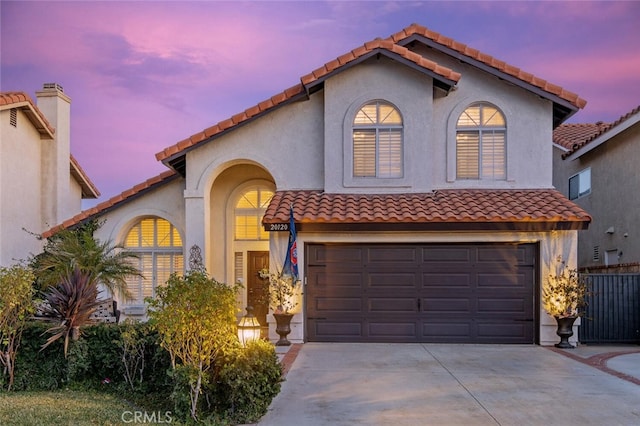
419 304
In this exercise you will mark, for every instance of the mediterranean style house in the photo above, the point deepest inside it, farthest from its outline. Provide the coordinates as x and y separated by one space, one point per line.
41 183
595 166
419 172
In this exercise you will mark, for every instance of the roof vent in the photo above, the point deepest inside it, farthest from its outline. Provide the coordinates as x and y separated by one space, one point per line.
52 86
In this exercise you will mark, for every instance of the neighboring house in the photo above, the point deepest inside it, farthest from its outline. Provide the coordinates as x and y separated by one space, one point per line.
596 166
419 172
41 183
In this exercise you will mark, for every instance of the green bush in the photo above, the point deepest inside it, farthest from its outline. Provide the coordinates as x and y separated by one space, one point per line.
246 381
239 387
39 370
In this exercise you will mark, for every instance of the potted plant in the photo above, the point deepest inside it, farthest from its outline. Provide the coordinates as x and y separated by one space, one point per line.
281 302
564 298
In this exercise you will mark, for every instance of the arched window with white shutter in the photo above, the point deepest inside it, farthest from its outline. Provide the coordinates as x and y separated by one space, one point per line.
481 143
378 141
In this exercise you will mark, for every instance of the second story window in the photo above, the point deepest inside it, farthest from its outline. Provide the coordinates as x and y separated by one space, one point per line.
580 184
377 142
481 143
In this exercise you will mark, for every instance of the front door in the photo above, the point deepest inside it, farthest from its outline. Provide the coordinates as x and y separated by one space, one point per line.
258 288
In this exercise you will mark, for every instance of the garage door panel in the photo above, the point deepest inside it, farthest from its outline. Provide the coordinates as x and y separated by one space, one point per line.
441 306
392 330
394 256
395 305
445 331
494 280
446 254
481 293
337 305
327 331
326 255
383 281
336 281
511 307
446 280
504 254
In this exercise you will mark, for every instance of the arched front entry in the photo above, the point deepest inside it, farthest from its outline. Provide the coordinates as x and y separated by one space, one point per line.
239 245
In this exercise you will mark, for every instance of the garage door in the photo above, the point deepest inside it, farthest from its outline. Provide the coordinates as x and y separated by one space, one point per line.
421 293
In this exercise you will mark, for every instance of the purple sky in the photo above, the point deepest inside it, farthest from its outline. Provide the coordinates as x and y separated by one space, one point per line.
143 75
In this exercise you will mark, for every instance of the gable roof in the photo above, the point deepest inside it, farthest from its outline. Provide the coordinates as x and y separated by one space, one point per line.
579 139
113 202
23 102
89 190
444 78
450 209
565 102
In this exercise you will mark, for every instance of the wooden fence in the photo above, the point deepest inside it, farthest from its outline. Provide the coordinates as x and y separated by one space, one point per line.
613 310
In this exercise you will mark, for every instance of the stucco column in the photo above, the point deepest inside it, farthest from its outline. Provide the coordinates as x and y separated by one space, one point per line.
195 226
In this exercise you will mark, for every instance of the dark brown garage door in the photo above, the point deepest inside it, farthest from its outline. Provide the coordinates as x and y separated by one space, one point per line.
480 293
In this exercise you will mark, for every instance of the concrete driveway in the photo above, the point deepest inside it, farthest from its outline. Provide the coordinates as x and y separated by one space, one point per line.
441 384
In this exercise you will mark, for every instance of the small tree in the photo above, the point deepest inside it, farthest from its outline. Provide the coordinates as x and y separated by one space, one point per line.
195 317
72 302
16 292
71 249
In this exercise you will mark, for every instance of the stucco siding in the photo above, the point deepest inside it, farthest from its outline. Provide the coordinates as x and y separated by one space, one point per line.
20 171
613 202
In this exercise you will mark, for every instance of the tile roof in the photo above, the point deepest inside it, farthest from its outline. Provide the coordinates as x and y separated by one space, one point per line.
575 136
23 101
89 190
113 202
526 209
392 47
408 34
386 47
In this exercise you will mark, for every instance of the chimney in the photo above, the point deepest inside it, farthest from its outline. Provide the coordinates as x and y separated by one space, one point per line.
56 154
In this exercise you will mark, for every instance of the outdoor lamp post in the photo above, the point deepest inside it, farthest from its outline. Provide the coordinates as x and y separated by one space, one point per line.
248 327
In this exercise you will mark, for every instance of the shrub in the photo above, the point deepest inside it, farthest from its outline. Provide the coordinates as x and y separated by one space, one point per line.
36 369
246 381
195 317
15 306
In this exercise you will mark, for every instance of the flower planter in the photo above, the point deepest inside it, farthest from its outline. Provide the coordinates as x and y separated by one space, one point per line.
283 328
565 330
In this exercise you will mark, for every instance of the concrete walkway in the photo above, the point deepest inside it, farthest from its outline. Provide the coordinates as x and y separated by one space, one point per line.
439 384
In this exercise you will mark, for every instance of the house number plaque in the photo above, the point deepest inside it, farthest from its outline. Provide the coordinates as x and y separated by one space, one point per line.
276 227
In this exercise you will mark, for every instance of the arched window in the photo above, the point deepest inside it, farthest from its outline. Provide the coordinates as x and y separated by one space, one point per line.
159 247
481 143
249 211
377 141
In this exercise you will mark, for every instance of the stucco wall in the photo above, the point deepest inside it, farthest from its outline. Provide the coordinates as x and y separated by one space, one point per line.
20 171
613 201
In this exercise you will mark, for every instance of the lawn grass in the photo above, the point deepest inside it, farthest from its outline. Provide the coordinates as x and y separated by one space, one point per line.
65 407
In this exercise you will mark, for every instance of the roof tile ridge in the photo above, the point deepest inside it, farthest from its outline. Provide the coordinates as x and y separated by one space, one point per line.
489 60
19 97
100 207
76 163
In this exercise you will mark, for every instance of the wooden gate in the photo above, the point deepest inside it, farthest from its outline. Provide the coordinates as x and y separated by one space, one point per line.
613 311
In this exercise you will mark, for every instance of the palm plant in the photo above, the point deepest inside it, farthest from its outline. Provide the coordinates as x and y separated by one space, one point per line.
72 302
67 250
